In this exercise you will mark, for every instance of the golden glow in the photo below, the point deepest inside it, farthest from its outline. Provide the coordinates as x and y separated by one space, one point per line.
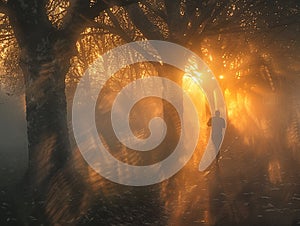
274 171
250 118
56 10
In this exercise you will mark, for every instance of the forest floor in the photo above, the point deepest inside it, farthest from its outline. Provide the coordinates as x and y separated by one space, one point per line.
243 189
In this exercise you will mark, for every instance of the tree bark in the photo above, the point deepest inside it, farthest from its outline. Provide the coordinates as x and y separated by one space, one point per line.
45 54
44 69
46 114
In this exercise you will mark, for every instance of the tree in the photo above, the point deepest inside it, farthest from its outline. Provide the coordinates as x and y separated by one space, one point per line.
45 53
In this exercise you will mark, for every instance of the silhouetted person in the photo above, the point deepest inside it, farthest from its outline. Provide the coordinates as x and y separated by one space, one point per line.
218 124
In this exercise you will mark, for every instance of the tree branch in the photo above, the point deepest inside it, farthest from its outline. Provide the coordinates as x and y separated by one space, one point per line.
81 11
140 20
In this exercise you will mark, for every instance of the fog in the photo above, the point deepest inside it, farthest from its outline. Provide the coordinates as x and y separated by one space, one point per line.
13 139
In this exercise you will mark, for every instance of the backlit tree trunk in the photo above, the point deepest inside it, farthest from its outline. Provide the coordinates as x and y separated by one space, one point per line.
44 69
46 112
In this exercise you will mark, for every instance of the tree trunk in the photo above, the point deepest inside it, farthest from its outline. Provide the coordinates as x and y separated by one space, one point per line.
47 126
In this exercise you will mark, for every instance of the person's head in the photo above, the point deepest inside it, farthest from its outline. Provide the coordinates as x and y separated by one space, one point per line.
217 113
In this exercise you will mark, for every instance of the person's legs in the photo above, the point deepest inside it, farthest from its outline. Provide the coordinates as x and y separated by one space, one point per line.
217 142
